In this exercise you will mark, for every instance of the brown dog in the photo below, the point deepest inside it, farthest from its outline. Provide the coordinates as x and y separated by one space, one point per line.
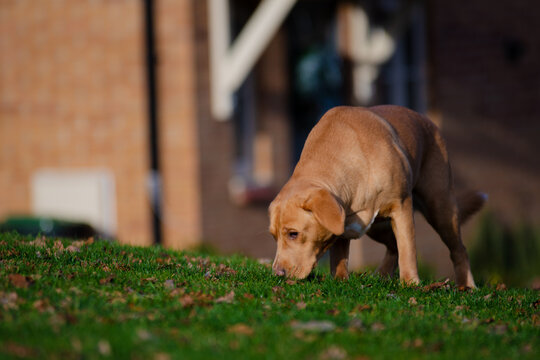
363 170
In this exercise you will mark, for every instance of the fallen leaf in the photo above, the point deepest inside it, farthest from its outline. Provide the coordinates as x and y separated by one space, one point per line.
301 305
75 290
416 343
73 249
39 242
500 329
58 247
9 300
487 297
356 324
106 280
177 292
104 347
277 289
361 308
186 301
333 353
249 296
162 356
19 350
500 287
43 305
412 301
240 328
223 269
143 334
228 298
18 280
377 326
314 325
266 262
169 284
305 337
333 312
438 285
290 282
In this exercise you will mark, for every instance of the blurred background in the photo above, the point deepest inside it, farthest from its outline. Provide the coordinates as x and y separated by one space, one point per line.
176 121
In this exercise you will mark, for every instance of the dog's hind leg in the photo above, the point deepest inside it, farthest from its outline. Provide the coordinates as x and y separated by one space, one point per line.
439 206
442 215
382 233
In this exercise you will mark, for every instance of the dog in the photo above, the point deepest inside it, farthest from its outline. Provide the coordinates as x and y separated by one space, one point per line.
364 171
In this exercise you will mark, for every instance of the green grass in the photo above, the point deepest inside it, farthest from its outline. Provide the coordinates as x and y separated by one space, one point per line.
104 300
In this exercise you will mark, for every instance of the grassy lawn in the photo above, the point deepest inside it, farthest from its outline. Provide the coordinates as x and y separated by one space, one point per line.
62 299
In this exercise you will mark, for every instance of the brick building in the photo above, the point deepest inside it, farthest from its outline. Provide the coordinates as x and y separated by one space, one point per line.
77 103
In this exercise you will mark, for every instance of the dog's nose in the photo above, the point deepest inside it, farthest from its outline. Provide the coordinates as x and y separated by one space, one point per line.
279 271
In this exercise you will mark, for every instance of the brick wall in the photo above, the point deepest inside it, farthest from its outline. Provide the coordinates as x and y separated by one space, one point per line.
72 95
485 74
178 127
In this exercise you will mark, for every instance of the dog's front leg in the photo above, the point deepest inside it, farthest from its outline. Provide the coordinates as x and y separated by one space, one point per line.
339 259
403 226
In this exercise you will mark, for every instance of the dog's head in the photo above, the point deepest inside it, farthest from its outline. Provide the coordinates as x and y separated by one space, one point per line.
304 225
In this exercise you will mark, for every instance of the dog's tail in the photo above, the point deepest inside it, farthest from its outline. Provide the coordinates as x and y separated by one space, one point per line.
469 202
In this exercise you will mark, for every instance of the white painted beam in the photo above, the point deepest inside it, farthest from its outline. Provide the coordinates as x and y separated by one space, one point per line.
231 65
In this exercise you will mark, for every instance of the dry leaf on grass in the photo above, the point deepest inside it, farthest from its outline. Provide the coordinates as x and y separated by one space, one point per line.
169 284
314 325
377 326
438 285
43 305
186 301
500 287
228 298
106 280
19 351
241 329
301 305
333 353
18 280
73 249
9 300
38 242
104 347
143 334
162 356
333 312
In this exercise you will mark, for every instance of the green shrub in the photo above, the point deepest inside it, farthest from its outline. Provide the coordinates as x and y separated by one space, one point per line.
501 252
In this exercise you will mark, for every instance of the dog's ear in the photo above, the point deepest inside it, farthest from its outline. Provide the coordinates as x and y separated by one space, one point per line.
273 213
327 210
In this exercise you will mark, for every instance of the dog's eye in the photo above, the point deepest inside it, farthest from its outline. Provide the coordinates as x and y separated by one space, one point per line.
292 235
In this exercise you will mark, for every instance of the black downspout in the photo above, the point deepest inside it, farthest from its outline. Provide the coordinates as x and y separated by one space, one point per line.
154 180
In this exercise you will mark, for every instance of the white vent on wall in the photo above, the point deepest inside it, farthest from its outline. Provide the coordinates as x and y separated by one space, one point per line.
77 195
